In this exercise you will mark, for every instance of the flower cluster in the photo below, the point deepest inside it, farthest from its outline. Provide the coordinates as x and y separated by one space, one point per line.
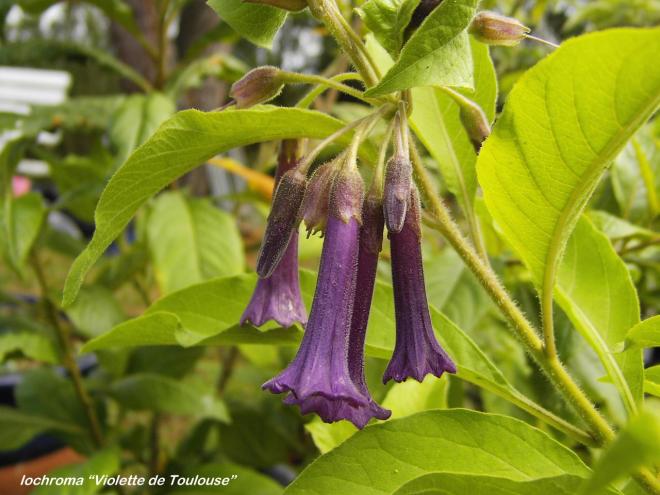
327 374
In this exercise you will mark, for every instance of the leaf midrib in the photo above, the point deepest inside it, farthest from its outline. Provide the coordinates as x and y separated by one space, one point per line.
572 208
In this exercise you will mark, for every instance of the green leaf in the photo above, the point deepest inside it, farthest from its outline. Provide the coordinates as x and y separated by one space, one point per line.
137 119
403 399
563 123
191 240
618 228
652 380
180 144
437 54
460 484
645 333
256 23
103 463
382 458
95 311
22 226
436 122
595 290
636 445
43 392
155 392
388 20
17 428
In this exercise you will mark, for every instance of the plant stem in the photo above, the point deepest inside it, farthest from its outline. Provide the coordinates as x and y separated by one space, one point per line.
326 12
307 100
68 359
600 430
294 77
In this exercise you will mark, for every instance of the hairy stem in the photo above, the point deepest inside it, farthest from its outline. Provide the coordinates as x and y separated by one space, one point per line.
326 12
68 359
294 77
600 430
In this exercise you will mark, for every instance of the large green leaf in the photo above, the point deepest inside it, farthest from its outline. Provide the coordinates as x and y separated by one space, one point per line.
595 290
191 240
460 484
437 54
636 445
563 123
31 344
156 392
388 20
180 144
256 23
95 311
137 119
436 122
384 457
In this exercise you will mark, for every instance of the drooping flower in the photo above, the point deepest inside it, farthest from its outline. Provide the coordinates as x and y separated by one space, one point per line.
278 296
282 222
371 240
416 352
318 379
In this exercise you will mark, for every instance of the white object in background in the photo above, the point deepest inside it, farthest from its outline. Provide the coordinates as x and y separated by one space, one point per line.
20 88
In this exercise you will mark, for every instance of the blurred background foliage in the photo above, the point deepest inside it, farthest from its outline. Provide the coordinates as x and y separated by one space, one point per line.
133 63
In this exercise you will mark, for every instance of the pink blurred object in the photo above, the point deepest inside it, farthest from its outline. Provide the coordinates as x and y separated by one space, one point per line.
20 185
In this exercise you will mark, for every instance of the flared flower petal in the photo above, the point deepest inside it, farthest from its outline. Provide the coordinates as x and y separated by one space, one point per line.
278 296
417 351
318 378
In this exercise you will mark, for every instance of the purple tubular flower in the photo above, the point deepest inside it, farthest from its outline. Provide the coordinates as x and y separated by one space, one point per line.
371 240
416 352
282 222
318 378
278 296
398 180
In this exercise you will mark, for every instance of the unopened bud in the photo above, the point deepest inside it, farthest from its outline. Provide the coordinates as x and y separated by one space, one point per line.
257 86
290 5
398 179
317 197
282 221
476 124
346 195
495 29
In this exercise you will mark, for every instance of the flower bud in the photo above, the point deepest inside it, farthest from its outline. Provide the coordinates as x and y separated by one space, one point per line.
495 29
398 179
289 5
317 197
257 86
282 221
346 195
